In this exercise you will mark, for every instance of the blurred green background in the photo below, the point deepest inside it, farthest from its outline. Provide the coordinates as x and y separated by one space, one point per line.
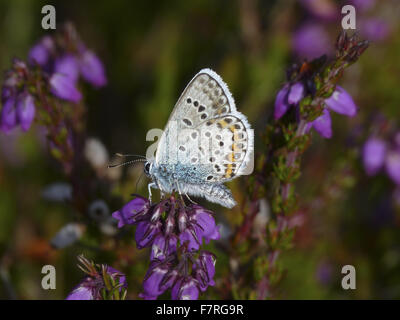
150 50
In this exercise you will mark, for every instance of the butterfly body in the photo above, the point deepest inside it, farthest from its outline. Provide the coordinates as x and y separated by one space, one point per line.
206 142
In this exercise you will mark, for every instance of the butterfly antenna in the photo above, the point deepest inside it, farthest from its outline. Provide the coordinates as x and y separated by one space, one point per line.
129 155
125 163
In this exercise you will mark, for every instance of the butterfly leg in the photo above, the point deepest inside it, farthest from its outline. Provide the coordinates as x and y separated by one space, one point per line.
179 191
149 186
190 199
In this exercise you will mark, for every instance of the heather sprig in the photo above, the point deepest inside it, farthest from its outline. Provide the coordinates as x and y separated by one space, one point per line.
304 102
46 89
101 282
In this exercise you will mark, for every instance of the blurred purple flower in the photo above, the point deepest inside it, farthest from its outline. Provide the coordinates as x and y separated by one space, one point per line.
6 93
374 153
340 102
324 273
92 69
288 96
374 29
25 110
397 140
323 124
67 65
40 52
64 87
296 93
8 116
393 165
363 5
321 9
281 104
311 41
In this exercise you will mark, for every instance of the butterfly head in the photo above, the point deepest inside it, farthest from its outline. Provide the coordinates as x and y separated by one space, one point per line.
148 168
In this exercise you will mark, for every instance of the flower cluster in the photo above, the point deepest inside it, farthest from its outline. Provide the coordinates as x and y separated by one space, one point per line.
340 102
378 154
18 103
311 38
175 233
101 283
312 88
54 66
65 60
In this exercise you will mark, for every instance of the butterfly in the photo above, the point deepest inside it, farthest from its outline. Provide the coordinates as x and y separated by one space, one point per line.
205 143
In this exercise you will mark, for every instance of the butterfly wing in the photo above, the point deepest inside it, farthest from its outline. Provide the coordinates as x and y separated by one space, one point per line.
206 129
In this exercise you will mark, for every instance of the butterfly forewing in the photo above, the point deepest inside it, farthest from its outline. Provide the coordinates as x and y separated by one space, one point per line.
205 129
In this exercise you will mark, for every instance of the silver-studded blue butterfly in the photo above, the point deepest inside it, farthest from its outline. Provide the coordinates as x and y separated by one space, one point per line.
206 142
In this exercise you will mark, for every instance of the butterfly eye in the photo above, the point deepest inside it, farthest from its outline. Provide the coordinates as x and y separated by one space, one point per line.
147 168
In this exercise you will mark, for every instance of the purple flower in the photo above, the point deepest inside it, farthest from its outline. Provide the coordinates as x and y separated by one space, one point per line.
185 289
64 88
8 116
89 288
67 65
363 5
40 52
25 110
132 211
322 9
324 272
311 41
374 29
190 238
6 93
393 166
397 139
204 224
201 225
163 246
86 290
204 270
146 233
169 280
323 124
288 96
92 69
117 274
341 102
152 284
374 153
296 93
